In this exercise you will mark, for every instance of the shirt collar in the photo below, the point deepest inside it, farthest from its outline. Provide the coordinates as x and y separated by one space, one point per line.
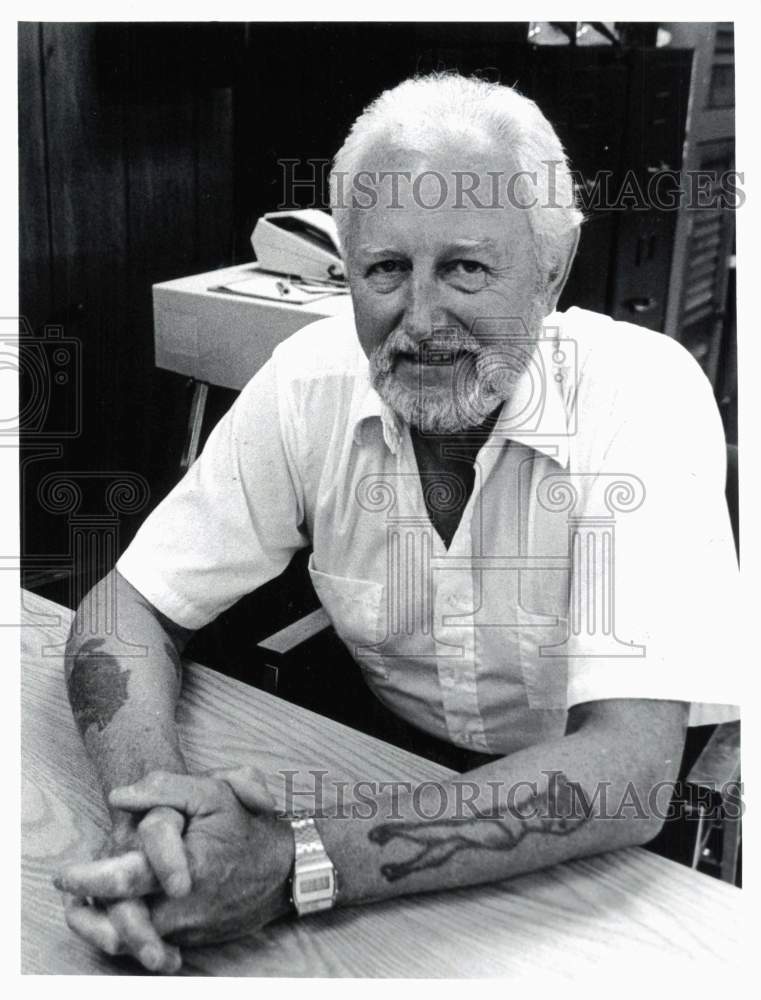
367 408
536 414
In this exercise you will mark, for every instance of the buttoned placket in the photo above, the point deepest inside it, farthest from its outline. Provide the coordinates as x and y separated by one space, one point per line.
453 604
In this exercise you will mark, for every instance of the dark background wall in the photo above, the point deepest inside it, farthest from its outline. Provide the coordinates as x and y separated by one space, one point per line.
126 178
148 151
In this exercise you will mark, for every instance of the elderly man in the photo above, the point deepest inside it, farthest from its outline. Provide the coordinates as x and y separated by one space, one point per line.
458 457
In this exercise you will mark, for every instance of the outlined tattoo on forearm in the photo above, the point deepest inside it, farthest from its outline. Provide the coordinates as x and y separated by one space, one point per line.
97 686
552 813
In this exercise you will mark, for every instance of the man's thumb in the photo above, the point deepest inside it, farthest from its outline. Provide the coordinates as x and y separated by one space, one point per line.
250 788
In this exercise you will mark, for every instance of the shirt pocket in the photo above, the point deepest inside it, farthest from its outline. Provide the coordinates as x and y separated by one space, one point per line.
355 607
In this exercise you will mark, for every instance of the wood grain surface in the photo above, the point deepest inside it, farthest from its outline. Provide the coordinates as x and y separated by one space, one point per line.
629 909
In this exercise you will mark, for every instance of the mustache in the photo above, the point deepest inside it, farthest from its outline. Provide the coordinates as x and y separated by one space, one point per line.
445 348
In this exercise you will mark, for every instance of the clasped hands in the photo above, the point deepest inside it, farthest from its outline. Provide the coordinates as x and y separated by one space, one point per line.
197 860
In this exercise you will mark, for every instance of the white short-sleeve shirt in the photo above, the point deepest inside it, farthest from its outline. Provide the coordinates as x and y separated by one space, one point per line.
594 558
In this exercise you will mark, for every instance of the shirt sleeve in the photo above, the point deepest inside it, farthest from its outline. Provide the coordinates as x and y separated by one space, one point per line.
660 573
232 523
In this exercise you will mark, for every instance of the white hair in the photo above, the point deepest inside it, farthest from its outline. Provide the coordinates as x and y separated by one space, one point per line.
425 111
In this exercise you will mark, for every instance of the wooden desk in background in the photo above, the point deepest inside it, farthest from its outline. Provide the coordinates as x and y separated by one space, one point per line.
631 909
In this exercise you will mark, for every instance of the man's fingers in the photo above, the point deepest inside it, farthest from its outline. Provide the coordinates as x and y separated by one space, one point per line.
92 925
187 793
160 834
124 927
250 787
125 876
132 922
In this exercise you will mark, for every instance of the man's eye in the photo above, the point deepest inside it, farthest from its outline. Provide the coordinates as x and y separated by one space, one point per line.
385 267
469 275
467 266
386 273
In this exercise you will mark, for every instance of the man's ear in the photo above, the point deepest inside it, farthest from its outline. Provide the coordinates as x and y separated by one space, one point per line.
556 281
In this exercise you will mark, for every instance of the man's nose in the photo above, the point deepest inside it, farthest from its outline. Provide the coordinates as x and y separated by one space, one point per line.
423 312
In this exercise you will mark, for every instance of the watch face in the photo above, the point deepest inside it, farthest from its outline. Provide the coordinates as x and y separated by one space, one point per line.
314 890
310 884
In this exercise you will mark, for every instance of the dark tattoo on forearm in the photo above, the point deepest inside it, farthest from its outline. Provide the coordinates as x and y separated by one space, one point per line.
97 686
553 812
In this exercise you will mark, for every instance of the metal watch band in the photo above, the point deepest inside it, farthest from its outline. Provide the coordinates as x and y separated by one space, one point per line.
314 884
306 838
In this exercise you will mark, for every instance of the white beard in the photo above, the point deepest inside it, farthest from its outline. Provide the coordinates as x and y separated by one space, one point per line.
482 376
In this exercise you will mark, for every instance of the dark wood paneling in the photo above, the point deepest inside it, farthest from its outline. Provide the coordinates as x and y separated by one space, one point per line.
34 220
83 162
88 197
215 177
161 211
125 180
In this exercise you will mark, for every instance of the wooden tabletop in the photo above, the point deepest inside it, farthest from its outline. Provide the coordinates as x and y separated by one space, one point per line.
629 909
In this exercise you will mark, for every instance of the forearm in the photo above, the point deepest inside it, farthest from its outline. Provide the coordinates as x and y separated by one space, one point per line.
123 683
576 796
